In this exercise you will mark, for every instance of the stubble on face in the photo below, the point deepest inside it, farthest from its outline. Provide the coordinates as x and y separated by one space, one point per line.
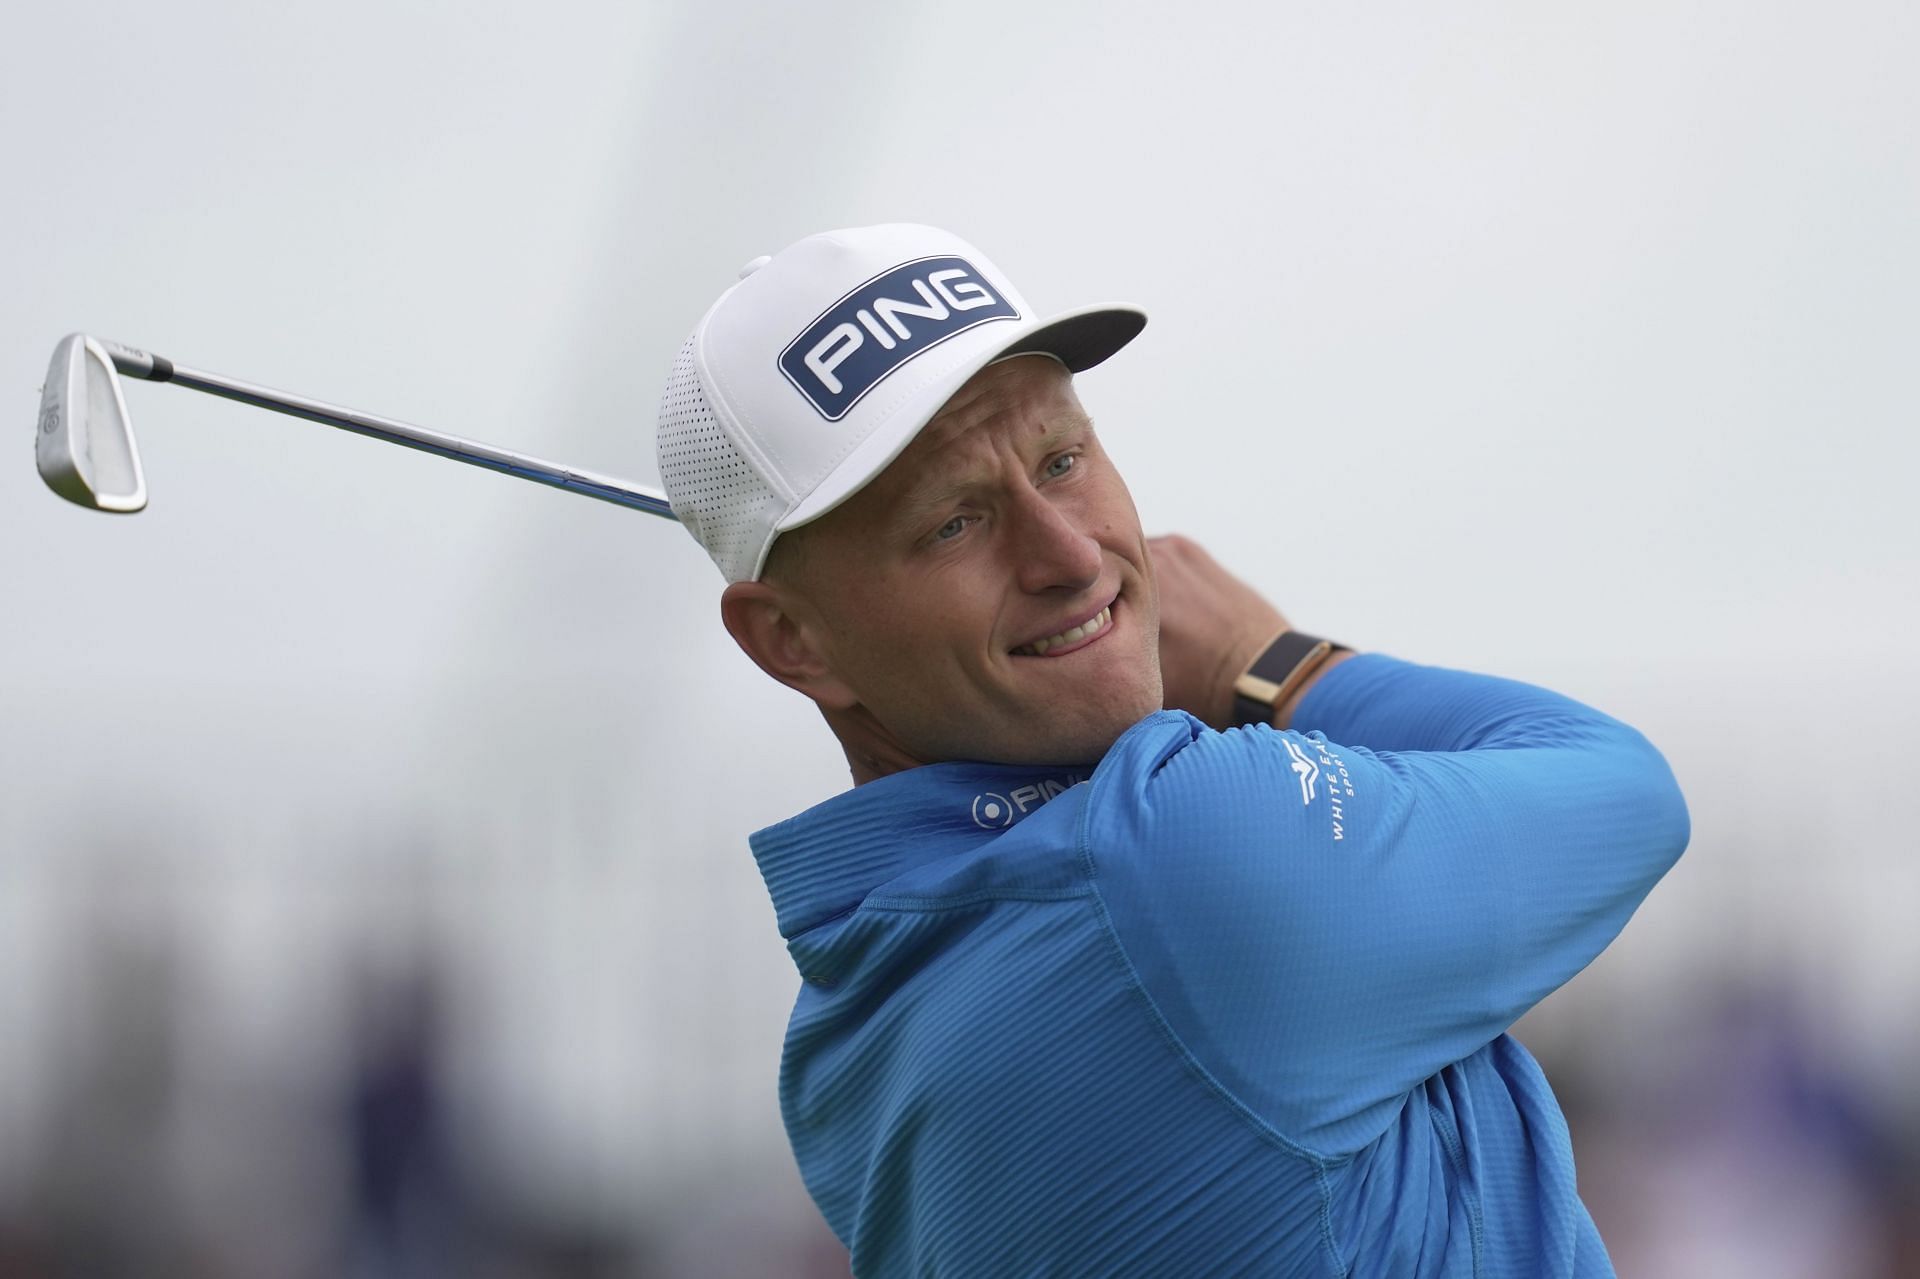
1003 523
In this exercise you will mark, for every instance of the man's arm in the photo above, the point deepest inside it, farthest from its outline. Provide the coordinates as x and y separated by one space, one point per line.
1327 920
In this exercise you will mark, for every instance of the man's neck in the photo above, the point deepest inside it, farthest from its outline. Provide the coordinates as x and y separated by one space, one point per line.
872 752
872 770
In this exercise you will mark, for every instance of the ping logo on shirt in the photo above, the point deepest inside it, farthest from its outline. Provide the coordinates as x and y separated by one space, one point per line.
884 323
994 811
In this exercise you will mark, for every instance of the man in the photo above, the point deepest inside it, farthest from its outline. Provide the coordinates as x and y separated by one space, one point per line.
1093 987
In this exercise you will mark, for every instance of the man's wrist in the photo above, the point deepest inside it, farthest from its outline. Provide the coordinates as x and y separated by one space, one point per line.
1283 713
1272 682
1233 663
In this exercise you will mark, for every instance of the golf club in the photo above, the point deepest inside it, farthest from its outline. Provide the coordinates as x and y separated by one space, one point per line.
86 451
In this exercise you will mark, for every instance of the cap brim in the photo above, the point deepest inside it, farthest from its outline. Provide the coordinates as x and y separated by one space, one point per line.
1082 338
1079 339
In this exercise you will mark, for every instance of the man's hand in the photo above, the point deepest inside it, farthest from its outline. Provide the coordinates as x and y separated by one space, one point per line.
1212 626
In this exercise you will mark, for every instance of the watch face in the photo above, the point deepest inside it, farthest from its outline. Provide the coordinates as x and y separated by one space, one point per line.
1284 655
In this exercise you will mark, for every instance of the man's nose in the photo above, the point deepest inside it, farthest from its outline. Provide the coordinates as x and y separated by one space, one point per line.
1054 551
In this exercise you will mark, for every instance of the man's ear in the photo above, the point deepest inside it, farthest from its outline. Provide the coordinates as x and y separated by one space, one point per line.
784 638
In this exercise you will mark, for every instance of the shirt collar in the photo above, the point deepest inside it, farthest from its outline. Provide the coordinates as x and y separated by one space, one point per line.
822 862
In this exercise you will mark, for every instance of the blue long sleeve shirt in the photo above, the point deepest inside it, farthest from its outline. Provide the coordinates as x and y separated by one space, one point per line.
1233 1004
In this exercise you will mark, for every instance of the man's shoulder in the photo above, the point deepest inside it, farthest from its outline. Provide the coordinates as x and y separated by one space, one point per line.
1156 736
1172 779
1142 754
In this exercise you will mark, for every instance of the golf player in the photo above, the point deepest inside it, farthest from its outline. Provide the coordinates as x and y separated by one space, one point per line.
1156 937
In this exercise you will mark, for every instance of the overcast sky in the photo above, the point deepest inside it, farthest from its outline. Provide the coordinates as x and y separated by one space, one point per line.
1572 343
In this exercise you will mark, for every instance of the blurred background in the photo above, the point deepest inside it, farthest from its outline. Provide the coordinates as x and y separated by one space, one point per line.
374 890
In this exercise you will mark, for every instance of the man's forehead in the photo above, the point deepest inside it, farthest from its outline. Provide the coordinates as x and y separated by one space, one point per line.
953 455
943 443
1030 400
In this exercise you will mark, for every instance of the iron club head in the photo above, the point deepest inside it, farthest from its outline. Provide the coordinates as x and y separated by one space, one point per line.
84 446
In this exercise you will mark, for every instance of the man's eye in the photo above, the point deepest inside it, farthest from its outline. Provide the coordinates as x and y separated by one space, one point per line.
951 529
1060 465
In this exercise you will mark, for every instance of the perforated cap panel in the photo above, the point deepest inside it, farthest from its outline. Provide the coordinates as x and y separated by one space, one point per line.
716 493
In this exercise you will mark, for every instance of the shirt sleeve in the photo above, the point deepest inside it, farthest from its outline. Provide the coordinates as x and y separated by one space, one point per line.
1325 918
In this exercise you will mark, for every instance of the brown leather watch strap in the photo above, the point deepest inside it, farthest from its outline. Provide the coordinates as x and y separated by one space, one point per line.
1274 675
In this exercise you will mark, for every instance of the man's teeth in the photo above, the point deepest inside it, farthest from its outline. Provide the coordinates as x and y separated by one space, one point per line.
1089 627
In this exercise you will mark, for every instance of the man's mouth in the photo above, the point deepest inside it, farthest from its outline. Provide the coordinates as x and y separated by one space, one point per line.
1072 638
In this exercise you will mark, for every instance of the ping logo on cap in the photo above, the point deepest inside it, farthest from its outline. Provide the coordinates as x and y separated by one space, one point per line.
884 323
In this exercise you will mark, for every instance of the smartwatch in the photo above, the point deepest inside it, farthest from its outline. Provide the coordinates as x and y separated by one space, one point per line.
1276 673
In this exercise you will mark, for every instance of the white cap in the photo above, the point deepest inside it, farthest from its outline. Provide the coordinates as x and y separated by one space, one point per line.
813 372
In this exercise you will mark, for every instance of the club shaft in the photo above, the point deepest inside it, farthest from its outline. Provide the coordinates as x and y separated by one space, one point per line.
135 363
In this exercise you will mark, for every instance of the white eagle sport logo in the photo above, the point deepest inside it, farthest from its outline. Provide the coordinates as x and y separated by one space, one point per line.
1305 769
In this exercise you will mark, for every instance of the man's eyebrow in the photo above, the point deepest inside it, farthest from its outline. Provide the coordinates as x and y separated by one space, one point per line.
924 502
